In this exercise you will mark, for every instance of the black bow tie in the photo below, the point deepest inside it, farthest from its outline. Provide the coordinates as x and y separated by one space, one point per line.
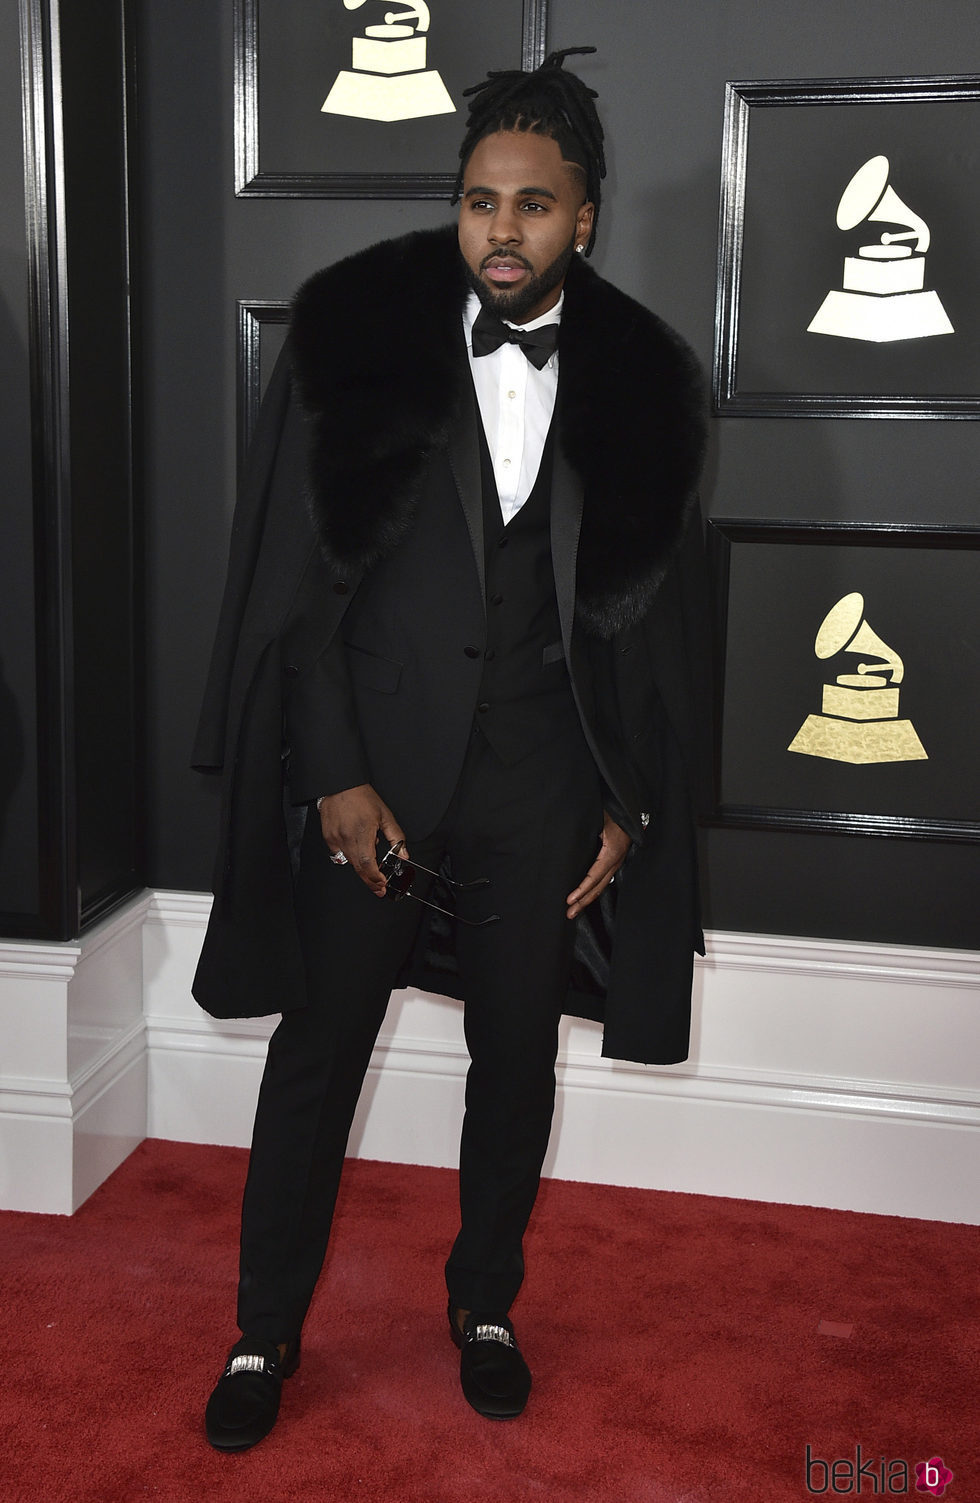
490 332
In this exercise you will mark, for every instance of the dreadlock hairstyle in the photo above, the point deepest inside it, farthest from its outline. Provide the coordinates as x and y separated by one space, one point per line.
549 102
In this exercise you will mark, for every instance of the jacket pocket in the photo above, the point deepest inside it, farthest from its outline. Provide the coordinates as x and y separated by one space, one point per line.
369 671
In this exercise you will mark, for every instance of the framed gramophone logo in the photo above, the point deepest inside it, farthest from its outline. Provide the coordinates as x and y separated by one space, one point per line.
849 677
364 98
849 242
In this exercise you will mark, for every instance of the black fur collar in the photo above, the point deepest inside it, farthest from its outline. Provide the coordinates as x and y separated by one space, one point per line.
377 342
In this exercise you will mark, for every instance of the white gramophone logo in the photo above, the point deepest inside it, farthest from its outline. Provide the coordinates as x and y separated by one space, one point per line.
860 720
883 297
388 78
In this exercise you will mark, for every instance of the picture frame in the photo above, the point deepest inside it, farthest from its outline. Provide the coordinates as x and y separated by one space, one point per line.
849 228
888 748
296 85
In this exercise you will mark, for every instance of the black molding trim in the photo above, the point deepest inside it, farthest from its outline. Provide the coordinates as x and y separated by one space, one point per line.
722 533
253 313
58 913
134 440
250 182
125 883
741 98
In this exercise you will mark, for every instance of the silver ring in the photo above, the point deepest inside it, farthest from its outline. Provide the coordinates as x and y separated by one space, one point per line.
338 858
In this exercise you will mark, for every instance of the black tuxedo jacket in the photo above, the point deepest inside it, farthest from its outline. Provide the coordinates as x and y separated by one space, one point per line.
390 700
372 392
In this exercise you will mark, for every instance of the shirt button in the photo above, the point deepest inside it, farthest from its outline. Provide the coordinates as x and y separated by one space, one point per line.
496 599
472 652
512 395
483 708
507 464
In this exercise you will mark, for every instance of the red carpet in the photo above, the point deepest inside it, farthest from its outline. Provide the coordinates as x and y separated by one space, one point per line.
675 1342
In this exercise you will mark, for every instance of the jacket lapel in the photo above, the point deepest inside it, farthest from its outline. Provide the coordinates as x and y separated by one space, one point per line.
464 461
567 499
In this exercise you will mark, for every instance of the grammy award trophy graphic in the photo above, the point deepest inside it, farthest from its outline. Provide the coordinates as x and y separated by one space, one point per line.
859 722
884 296
388 78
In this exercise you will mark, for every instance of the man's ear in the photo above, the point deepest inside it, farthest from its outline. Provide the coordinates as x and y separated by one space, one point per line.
583 222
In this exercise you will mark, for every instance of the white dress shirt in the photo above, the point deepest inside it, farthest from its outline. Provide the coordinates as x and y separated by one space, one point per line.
517 403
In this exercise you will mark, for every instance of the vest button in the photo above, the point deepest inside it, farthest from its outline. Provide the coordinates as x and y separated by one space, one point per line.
483 708
341 587
489 655
496 599
472 652
503 542
291 670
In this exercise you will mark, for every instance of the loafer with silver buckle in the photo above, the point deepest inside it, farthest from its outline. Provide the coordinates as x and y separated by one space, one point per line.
245 1402
494 1376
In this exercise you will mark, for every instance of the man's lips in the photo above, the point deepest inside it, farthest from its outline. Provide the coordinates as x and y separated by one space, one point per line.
505 269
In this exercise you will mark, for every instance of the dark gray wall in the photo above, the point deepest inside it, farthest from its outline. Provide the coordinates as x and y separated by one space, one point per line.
660 73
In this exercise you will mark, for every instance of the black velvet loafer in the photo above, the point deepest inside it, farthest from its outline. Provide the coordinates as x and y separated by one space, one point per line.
243 1407
494 1376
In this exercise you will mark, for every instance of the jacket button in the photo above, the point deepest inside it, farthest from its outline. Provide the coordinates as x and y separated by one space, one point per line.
291 670
644 818
503 542
489 655
496 599
341 587
472 652
483 708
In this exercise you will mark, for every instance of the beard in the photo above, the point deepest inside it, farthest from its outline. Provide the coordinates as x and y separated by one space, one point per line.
517 304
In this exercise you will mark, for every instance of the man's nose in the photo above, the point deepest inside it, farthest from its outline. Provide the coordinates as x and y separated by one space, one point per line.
505 229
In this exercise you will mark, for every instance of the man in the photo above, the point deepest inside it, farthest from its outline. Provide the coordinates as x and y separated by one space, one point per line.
463 626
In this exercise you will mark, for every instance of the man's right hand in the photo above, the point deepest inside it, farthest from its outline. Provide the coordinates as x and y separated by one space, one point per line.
350 822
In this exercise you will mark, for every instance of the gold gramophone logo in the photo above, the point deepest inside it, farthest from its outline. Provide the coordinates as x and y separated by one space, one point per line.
859 721
388 78
884 296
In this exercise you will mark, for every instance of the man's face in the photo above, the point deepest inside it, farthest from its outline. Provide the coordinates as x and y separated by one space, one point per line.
520 218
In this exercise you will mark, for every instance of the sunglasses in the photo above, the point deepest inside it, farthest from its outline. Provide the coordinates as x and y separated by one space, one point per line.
400 875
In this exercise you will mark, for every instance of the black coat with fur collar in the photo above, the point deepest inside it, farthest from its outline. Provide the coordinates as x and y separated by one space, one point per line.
366 392
630 419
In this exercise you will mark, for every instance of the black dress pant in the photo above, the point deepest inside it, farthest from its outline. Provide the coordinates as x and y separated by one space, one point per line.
533 829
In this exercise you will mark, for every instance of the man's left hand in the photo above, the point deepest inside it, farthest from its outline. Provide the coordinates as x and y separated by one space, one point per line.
612 853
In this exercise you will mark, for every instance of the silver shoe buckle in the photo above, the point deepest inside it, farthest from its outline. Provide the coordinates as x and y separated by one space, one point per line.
248 1362
494 1333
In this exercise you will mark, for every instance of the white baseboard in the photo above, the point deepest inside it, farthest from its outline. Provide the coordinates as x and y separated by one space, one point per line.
824 1073
73 1077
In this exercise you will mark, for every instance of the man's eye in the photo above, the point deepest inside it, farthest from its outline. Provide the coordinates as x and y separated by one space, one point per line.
532 205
